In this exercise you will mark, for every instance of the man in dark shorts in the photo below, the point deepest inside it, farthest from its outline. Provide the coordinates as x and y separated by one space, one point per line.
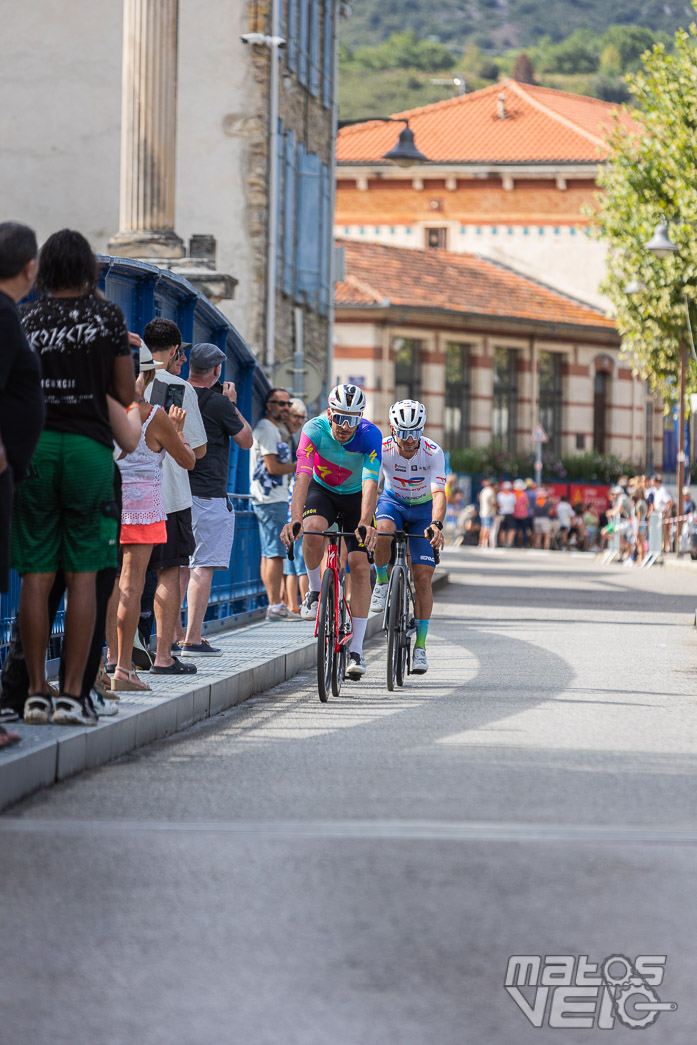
212 513
65 516
339 457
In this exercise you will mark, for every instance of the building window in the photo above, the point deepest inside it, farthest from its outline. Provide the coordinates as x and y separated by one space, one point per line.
407 367
303 41
550 398
292 35
504 417
437 239
314 48
648 438
601 390
328 55
457 396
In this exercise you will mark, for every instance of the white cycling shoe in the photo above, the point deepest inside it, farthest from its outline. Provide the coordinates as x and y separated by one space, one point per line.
419 661
310 605
356 666
379 598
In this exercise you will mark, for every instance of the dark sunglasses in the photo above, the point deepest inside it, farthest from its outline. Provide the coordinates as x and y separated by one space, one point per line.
352 420
280 402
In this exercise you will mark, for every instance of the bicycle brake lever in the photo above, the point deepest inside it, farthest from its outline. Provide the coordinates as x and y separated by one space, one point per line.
291 548
436 556
362 532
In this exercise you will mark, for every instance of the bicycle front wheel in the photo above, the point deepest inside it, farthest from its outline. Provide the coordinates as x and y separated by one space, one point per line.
326 635
339 666
395 598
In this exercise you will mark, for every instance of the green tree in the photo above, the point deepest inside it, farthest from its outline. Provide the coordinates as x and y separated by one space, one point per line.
579 53
405 51
652 174
630 42
610 61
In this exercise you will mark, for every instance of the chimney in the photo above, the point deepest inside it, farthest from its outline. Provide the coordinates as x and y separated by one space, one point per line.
502 105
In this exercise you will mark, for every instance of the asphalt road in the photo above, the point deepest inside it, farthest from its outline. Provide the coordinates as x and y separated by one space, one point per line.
359 873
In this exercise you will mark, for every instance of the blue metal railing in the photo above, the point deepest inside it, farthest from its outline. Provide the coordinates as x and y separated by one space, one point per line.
144 291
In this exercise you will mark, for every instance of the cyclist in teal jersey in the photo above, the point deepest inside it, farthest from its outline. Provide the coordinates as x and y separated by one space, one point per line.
338 468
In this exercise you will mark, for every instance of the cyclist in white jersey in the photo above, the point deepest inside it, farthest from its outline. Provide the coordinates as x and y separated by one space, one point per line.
414 493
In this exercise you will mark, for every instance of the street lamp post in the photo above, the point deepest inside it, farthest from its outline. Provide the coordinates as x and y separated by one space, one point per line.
404 153
662 246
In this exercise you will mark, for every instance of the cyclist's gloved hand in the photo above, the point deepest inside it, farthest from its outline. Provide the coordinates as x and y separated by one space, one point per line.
371 537
287 535
434 537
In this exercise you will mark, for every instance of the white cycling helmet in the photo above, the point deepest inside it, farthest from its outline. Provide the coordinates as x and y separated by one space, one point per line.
347 399
407 414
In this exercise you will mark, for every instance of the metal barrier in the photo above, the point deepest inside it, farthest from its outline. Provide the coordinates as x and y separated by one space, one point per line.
144 291
612 552
655 549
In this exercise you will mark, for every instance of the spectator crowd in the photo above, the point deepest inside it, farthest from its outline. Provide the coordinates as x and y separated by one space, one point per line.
521 514
114 486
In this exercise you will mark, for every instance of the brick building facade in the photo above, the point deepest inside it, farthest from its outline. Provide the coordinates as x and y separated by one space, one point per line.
490 352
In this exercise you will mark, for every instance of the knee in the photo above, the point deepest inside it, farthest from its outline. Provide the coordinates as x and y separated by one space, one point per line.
360 570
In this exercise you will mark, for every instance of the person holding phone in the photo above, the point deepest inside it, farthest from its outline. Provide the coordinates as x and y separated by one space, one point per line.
164 340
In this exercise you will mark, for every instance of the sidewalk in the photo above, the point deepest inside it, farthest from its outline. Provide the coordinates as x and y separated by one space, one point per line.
255 658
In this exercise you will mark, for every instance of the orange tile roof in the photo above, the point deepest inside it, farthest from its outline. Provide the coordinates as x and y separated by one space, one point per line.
542 125
381 276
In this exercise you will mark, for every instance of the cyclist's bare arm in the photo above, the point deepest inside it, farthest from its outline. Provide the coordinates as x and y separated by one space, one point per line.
368 501
297 506
438 507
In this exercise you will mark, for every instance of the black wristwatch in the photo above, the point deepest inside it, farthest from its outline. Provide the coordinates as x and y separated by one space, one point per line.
437 523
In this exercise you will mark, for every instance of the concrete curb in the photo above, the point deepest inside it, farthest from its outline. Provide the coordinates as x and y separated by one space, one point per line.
268 654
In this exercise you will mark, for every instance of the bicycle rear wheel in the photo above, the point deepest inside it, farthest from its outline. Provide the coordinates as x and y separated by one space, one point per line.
339 665
395 597
326 635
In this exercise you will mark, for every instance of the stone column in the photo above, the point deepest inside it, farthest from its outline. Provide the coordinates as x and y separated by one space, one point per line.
148 131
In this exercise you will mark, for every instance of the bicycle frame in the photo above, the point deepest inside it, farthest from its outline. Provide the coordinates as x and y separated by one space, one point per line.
333 562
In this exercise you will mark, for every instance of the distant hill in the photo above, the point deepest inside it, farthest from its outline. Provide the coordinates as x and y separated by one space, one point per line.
499 25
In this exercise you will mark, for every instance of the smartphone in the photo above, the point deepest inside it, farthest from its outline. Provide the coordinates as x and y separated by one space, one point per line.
174 396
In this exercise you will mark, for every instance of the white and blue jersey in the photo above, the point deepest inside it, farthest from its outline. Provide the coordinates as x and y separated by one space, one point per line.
408 493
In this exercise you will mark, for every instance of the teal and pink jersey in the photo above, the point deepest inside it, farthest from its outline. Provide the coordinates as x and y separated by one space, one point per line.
341 467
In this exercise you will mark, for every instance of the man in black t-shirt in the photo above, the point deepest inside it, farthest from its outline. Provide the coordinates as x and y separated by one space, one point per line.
212 514
21 399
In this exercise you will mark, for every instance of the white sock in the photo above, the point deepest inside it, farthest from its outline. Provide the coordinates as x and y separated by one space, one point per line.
315 578
359 626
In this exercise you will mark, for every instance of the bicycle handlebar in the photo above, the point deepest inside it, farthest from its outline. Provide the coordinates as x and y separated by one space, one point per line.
405 535
297 527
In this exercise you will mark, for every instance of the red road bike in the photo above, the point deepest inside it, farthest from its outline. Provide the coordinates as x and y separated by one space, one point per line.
334 626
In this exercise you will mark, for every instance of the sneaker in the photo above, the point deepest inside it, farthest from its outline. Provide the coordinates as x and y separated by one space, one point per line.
37 710
74 711
175 649
356 666
308 610
377 603
419 661
283 614
103 707
200 649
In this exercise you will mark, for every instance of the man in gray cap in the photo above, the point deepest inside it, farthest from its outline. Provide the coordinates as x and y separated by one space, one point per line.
212 514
